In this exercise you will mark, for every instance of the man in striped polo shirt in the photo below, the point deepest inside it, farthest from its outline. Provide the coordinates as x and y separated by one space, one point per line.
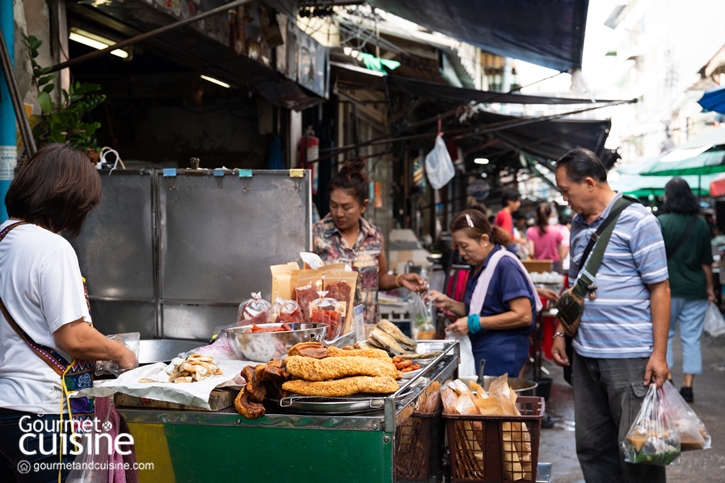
621 344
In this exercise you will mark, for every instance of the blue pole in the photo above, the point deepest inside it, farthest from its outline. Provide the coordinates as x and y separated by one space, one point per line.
8 139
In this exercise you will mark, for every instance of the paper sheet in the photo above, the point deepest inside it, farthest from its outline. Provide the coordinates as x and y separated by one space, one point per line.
191 394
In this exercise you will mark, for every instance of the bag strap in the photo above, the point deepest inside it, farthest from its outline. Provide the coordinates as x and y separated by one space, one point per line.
671 251
617 209
598 243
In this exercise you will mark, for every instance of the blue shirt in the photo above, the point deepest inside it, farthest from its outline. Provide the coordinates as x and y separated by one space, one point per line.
618 324
505 351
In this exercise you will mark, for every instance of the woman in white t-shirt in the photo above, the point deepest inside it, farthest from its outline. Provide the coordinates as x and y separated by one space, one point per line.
44 304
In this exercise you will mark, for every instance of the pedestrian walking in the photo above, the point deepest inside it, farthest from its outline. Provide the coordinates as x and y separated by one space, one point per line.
545 240
689 263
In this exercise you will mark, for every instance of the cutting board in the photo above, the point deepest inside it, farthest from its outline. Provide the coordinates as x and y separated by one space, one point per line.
218 399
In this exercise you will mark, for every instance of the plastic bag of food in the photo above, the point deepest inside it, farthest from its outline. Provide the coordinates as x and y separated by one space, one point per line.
220 349
423 328
304 295
693 434
132 340
340 285
253 311
653 438
285 311
330 312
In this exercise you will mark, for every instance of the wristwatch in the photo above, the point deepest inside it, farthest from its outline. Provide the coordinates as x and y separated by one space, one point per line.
558 334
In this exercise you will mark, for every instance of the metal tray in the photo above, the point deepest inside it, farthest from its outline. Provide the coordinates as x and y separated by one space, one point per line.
330 405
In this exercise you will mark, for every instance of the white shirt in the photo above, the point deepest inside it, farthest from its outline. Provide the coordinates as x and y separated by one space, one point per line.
42 289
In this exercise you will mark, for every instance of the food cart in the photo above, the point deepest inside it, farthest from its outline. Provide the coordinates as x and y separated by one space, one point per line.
170 254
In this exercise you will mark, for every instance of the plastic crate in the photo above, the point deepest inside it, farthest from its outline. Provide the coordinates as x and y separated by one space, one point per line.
494 448
419 447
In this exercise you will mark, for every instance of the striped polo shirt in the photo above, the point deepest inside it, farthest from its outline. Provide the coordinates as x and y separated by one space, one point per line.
618 324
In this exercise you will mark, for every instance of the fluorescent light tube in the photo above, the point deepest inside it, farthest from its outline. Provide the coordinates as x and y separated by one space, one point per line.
97 43
215 81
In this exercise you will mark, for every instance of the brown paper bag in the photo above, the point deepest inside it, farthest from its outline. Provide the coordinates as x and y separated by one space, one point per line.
349 278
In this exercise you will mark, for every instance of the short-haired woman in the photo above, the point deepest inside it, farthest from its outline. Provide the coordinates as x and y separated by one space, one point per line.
46 325
499 309
344 236
689 263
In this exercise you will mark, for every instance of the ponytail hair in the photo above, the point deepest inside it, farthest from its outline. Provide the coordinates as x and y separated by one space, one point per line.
476 225
351 177
543 213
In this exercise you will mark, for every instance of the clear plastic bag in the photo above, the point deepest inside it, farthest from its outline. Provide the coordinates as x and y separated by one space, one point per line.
132 340
714 322
285 311
253 311
330 312
693 434
653 438
422 328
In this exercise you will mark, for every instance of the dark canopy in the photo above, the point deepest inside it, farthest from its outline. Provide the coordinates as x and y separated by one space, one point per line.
544 32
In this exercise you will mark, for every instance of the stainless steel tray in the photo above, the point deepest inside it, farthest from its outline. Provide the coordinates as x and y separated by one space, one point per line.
331 405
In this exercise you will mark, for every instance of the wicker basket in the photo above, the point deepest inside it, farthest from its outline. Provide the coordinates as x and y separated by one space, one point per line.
419 447
496 448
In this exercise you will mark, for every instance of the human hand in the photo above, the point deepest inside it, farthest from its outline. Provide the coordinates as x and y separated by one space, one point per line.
548 294
413 282
127 360
558 352
438 299
656 371
710 294
459 327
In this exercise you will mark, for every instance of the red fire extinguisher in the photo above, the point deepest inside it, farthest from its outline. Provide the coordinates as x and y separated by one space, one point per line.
310 152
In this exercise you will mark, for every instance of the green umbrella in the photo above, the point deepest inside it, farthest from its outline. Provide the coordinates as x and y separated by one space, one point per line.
704 154
711 161
643 186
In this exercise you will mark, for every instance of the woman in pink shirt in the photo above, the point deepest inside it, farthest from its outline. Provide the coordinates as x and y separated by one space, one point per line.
545 240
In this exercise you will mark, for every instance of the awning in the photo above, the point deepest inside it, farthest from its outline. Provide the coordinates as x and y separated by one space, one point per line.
546 32
205 46
353 77
548 140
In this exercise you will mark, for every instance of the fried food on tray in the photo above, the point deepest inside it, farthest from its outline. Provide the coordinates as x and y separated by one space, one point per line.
404 365
397 334
369 353
343 387
254 388
196 367
308 349
336 367
245 407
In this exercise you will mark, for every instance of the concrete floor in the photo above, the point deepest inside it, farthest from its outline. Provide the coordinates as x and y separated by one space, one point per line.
558 446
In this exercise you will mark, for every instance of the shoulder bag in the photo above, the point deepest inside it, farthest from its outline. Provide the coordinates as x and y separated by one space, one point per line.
570 306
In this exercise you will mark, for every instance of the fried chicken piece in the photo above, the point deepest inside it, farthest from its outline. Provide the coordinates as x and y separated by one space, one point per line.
308 349
247 408
273 377
343 387
254 388
369 353
336 367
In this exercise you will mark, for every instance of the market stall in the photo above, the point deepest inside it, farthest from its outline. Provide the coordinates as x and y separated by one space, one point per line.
359 440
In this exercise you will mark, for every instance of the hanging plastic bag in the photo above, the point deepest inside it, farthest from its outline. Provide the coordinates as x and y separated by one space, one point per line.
438 165
714 322
693 434
422 327
653 438
467 364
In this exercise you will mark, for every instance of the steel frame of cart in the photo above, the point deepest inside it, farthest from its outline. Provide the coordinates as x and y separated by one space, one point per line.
224 447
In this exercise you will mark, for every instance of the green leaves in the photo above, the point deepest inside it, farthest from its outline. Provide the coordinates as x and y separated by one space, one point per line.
46 103
63 122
